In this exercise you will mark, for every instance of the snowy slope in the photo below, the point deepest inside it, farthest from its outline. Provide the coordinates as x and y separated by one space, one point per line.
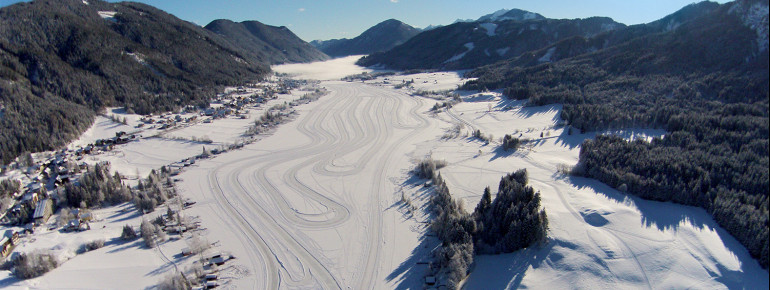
599 237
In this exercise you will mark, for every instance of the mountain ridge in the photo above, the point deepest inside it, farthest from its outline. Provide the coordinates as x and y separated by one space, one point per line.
465 45
380 37
272 44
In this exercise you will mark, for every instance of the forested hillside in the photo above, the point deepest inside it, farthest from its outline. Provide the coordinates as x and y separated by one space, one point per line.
61 61
381 37
271 44
704 80
465 45
578 45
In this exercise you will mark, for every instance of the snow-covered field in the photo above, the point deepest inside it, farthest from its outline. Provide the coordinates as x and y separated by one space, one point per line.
599 237
318 204
124 265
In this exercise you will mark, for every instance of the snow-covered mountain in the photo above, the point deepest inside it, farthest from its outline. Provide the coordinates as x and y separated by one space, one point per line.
512 14
498 36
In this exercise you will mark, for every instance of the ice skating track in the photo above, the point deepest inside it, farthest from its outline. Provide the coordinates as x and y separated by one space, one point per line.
272 196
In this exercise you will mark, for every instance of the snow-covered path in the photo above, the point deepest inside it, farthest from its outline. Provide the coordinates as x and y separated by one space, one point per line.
319 182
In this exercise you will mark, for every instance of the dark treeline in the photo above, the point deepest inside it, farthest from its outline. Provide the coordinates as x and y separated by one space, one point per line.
96 187
9 187
705 83
730 185
60 63
511 221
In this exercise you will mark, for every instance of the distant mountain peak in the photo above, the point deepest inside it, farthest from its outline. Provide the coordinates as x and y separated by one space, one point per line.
505 15
510 14
380 37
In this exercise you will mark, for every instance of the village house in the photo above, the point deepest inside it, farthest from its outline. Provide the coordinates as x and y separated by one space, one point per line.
43 211
9 240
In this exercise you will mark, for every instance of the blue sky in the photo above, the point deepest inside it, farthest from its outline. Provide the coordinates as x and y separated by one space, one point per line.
326 19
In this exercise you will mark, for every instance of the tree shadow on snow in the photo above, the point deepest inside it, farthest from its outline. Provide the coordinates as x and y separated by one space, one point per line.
506 104
127 211
573 140
410 272
119 244
665 216
528 112
499 152
661 215
506 271
9 281
423 192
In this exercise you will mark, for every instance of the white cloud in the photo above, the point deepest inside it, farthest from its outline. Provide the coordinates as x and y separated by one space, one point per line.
301 9
393 1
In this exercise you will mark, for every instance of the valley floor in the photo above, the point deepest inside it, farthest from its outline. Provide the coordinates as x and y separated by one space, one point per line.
328 201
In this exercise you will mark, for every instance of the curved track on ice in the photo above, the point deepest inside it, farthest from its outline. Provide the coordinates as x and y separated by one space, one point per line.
271 198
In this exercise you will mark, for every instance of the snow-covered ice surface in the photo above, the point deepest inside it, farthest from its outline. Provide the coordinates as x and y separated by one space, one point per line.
318 203
315 201
334 69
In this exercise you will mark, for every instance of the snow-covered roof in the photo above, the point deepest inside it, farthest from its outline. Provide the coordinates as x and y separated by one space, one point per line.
41 208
